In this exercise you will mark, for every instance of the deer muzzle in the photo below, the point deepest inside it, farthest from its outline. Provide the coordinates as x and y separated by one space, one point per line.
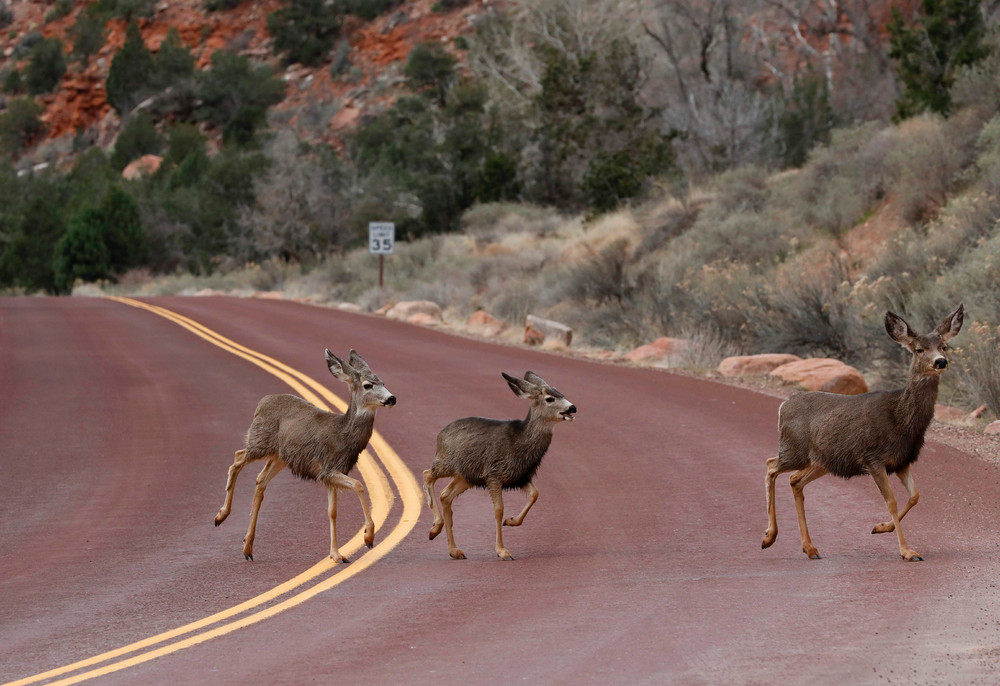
940 363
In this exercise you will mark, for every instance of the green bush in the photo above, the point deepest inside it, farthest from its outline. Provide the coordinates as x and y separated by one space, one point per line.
132 72
47 66
6 16
173 61
217 5
87 33
20 125
235 90
304 31
13 83
137 138
366 9
129 10
430 69
60 9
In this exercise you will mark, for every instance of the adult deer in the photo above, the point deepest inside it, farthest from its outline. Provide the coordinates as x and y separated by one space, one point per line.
495 455
314 444
878 433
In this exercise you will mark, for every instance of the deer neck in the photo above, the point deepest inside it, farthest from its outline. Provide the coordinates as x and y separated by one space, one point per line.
536 427
916 404
359 416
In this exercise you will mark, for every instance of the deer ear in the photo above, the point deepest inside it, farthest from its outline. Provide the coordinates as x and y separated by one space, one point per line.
952 324
521 388
898 329
531 377
358 362
338 367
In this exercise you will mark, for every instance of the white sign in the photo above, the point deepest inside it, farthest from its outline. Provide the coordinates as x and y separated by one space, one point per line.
381 238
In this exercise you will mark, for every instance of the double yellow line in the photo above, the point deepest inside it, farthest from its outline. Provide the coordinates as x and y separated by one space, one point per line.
246 613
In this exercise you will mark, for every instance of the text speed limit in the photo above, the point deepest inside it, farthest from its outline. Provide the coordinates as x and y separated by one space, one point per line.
381 238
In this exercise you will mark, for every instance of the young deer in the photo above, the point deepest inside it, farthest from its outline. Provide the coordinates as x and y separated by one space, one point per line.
314 444
495 455
877 433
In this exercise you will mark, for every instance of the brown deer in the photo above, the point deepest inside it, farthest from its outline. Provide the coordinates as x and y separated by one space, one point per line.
496 455
878 433
314 444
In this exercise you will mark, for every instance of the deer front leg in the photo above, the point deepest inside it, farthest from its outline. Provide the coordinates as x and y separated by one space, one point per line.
532 492
332 511
911 488
455 488
338 480
798 481
234 471
772 518
884 487
270 470
496 493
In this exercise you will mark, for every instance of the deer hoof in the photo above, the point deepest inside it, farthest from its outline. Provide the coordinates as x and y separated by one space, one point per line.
883 528
504 554
912 558
248 556
435 530
768 539
456 554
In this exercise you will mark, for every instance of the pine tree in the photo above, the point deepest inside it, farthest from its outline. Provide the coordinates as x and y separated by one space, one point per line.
131 73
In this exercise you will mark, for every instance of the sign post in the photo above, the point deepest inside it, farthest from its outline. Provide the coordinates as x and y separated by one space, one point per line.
381 242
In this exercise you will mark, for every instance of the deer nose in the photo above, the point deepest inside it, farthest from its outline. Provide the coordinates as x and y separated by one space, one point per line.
572 409
940 363
390 401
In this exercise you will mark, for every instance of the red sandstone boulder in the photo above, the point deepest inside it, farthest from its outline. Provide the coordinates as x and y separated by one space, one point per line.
823 374
547 332
993 428
754 365
406 310
144 166
485 324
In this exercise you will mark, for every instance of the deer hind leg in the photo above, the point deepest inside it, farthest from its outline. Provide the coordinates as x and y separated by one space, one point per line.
798 481
438 524
239 463
496 493
773 469
882 481
457 487
907 479
270 470
338 480
532 492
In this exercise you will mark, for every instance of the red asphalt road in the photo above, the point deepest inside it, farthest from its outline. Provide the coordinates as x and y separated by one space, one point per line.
640 562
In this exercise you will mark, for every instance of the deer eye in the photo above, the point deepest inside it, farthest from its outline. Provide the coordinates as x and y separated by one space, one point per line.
918 350
550 399
368 386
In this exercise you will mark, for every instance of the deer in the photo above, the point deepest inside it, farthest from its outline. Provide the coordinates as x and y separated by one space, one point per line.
496 455
877 433
314 444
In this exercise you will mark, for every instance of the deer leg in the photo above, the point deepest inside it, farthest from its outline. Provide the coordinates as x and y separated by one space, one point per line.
332 511
429 480
270 470
911 488
882 481
496 493
772 518
454 489
798 481
532 492
338 480
234 471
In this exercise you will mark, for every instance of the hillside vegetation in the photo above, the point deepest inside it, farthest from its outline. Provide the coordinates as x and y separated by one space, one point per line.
737 174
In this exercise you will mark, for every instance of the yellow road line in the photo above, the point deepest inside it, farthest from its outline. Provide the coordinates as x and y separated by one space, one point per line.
378 486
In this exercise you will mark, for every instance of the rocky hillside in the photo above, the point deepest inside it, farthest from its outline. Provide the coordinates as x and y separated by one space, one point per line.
377 51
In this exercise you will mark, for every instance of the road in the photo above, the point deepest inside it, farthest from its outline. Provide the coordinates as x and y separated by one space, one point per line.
640 562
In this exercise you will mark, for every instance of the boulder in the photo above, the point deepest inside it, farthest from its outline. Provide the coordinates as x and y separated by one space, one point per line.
423 319
993 428
546 331
754 365
406 309
823 374
348 307
646 353
485 324
144 166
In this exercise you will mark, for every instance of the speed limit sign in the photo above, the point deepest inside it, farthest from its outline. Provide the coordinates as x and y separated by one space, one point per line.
381 238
